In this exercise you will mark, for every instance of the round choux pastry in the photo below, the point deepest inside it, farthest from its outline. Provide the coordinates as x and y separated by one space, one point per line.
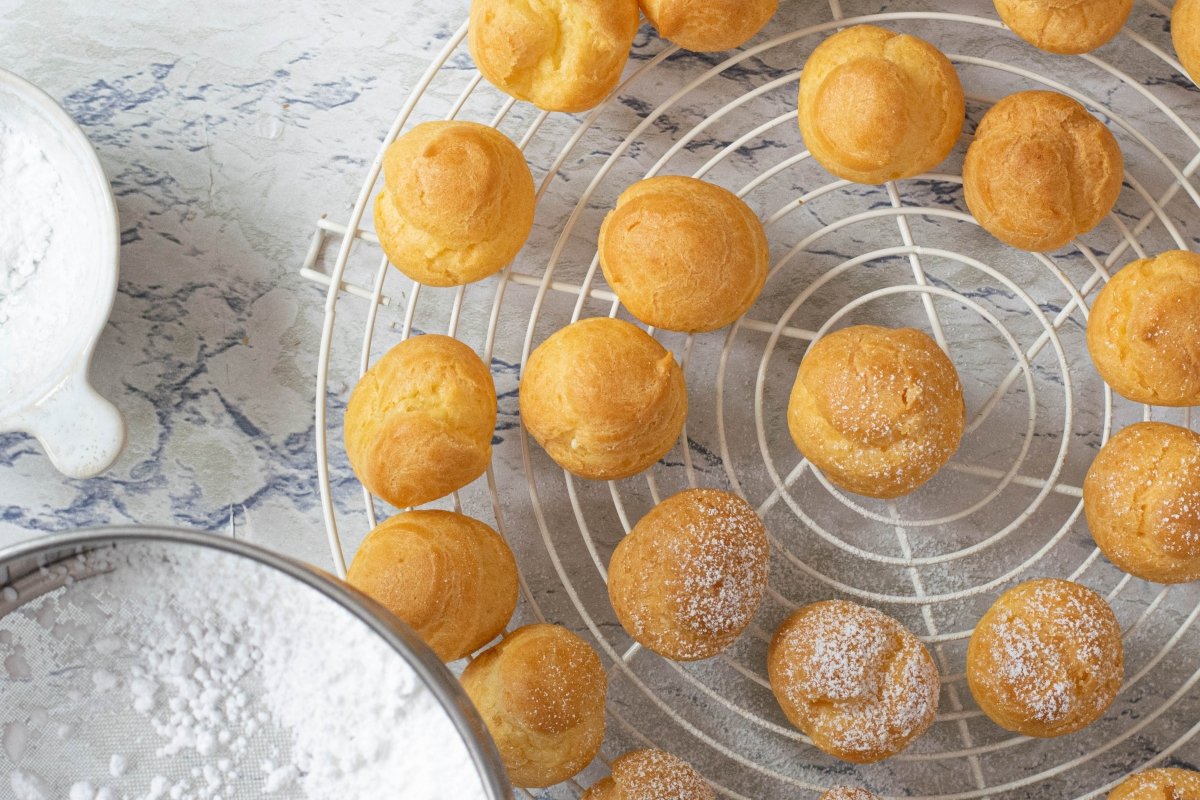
419 423
560 55
708 26
848 793
457 203
1067 28
1185 35
1142 502
603 398
1144 330
683 254
1159 784
854 679
1046 659
690 576
540 692
651 775
451 578
1041 171
877 106
878 410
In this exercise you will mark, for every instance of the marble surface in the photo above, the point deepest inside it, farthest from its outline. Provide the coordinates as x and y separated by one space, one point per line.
228 133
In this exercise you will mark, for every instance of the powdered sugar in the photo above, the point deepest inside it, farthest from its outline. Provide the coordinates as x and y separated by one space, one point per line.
1050 652
723 562
48 276
856 680
28 786
848 793
878 410
212 677
691 575
658 775
1036 671
32 197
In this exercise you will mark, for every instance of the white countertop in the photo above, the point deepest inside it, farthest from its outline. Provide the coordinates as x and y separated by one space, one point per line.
226 134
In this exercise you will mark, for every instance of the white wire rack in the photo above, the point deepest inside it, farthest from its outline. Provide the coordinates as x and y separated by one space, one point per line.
1008 506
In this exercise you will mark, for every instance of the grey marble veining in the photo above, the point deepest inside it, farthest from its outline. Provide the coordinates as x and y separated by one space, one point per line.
225 133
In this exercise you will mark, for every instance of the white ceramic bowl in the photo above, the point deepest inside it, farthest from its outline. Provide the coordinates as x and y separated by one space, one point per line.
47 341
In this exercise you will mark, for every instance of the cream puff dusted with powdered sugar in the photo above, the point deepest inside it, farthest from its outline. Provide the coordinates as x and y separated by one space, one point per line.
541 694
855 680
1142 501
1159 784
878 410
651 775
690 576
848 793
1144 330
1046 659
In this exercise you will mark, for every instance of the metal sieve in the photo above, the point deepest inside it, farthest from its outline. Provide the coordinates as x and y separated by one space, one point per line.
50 731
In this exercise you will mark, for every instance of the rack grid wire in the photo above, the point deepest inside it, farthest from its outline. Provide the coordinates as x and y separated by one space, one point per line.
1007 507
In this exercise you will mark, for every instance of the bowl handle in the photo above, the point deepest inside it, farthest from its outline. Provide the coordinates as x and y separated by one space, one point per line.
81 431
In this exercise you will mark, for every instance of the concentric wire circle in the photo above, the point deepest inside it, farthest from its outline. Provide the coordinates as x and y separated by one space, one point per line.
1007 508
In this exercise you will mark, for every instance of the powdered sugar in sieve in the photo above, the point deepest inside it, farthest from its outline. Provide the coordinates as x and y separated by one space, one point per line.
147 669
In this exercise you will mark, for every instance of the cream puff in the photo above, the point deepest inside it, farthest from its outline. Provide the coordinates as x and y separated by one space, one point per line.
450 577
1041 171
878 410
878 106
651 775
541 694
1159 784
1144 330
1067 28
419 423
707 26
689 577
603 398
1185 35
683 255
560 55
457 203
1141 497
1046 659
855 680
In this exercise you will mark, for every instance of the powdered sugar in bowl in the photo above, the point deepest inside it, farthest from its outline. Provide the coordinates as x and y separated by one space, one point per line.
58 277
152 663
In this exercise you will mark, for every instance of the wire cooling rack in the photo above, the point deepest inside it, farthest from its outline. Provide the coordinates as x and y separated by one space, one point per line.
1007 508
